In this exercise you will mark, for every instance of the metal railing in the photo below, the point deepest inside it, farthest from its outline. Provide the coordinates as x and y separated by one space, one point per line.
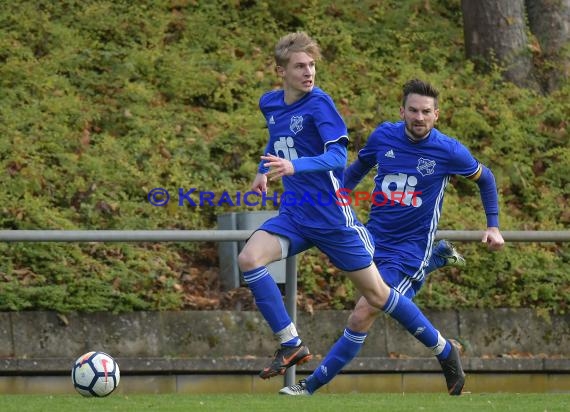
240 235
236 235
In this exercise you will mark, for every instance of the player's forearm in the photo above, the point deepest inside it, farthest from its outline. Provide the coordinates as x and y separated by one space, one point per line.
261 168
489 197
334 158
355 173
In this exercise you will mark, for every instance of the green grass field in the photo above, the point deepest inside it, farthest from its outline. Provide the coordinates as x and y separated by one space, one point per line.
269 403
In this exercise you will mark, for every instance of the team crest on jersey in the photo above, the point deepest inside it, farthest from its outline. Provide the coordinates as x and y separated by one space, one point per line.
296 124
425 166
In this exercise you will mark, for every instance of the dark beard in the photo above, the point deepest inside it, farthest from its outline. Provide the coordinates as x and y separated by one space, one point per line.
413 136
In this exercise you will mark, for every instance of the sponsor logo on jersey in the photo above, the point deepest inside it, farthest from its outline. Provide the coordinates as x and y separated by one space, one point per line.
403 185
285 148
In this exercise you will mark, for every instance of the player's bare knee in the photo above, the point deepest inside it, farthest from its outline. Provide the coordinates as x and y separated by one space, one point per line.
378 297
362 318
375 300
247 260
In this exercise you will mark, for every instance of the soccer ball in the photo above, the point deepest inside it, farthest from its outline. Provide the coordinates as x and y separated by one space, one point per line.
95 374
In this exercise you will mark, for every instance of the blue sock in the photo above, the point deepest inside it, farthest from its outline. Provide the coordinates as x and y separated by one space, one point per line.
435 261
342 352
410 317
268 299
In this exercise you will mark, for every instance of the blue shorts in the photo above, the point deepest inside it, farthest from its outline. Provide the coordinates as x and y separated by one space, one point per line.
348 248
397 276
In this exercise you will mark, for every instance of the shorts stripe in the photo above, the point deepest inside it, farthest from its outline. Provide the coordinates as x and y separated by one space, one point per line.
350 220
404 286
348 216
420 274
363 233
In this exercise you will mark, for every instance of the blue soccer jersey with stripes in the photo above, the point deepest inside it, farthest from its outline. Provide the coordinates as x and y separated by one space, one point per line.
409 188
304 129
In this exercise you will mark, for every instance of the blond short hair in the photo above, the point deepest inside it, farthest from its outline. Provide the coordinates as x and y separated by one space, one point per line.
295 42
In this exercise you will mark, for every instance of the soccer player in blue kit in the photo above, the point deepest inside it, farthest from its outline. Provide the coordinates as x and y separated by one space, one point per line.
307 150
415 162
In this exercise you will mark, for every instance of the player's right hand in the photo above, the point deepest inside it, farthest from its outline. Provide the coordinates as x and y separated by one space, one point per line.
493 238
259 184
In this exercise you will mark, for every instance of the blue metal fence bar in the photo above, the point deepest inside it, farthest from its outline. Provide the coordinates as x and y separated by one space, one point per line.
235 235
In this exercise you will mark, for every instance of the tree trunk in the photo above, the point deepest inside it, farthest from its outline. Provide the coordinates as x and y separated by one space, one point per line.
494 32
549 21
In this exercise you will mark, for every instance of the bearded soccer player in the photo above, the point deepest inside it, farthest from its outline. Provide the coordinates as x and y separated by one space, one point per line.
415 162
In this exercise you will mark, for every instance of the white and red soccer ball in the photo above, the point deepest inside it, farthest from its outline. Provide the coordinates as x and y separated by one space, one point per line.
95 374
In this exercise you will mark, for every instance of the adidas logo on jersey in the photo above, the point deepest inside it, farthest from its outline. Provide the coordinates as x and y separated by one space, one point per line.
271 120
390 154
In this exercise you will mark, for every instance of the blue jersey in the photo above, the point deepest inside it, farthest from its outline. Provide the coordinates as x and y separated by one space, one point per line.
409 189
304 129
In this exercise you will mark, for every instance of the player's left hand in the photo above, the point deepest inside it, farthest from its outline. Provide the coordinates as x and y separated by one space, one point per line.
493 238
278 166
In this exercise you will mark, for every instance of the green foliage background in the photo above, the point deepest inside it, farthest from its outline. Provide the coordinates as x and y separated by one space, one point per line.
104 100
